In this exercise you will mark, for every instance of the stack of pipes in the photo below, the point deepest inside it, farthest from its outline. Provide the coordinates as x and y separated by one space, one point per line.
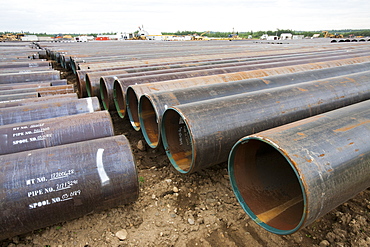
59 157
263 112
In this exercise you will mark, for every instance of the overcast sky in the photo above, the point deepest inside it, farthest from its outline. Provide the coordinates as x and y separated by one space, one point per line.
95 16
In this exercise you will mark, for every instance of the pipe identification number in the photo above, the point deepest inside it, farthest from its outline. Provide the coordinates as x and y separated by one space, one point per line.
21 133
65 190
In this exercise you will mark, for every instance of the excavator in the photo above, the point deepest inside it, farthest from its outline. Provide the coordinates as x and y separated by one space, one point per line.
200 37
329 35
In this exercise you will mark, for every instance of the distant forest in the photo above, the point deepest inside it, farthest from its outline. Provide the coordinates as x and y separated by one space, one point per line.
255 35
258 34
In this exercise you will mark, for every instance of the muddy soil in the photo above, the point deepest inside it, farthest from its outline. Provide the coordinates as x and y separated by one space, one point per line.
192 210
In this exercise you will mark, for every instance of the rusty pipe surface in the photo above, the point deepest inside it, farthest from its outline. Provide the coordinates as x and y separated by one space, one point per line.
119 95
81 74
173 76
287 177
45 99
31 76
54 90
10 97
27 85
46 186
54 131
30 64
200 134
93 83
41 89
39 111
152 105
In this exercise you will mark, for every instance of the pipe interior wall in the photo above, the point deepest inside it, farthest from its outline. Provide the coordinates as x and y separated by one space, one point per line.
287 177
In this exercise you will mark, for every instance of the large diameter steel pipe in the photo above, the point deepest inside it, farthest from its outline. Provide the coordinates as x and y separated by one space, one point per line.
21 86
54 131
152 105
31 64
45 99
134 92
32 112
10 97
106 92
54 90
200 134
287 177
46 186
32 76
81 74
41 89
92 80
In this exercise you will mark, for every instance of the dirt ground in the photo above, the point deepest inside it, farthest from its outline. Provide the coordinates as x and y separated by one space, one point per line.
192 210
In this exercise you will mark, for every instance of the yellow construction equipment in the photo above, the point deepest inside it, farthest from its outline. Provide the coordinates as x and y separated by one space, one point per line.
329 35
200 37
11 37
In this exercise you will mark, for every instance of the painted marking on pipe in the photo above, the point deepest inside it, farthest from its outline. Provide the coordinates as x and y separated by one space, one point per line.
101 171
165 107
90 105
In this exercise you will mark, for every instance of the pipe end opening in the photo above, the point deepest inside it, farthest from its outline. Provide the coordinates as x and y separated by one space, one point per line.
132 104
177 141
149 121
104 94
119 99
267 186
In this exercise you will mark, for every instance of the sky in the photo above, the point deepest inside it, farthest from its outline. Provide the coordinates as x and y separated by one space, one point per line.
98 16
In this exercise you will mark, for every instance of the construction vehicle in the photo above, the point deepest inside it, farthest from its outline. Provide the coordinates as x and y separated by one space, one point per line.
141 34
11 37
329 35
200 37
234 36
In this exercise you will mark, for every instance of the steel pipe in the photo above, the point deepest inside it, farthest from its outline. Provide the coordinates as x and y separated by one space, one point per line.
198 135
32 112
32 76
287 177
9 97
41 89
53 90
93 83
30 64
45 99
12 86
92 79
125 83
46 186
152 105
54 131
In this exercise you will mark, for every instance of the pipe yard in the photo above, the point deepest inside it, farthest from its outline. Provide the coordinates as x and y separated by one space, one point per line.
185 143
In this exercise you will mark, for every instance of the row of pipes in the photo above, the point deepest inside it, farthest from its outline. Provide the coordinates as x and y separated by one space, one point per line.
246 104
58 153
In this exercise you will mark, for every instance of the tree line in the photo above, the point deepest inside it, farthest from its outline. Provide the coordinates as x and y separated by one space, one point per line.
253 34
258 34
